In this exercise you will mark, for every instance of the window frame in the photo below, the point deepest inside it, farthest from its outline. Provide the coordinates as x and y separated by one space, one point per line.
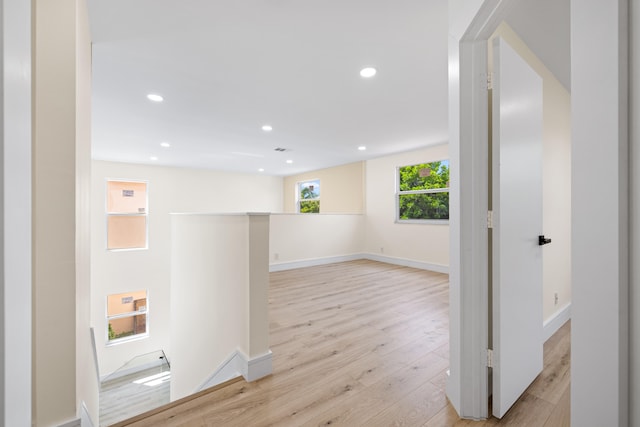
399 193
299 199
135 337
110 214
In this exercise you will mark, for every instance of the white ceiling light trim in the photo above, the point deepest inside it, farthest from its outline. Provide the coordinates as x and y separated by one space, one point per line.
362 148
267 128
154 158
368 72
165 144
155 97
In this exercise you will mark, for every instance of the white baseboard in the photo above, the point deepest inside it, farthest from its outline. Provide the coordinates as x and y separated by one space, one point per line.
438 268
312 262
85 417
344 258
72 423
227 370
83 421
556 321
238 364
258 367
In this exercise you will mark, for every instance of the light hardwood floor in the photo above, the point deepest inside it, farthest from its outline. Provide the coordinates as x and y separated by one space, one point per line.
362 344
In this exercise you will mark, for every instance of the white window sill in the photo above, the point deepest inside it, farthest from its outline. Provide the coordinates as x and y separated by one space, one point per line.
127 339
423 221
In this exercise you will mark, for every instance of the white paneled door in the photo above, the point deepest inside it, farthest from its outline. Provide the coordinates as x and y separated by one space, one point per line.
517 219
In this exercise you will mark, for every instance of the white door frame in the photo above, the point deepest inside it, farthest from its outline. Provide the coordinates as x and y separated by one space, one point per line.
467 386
15 213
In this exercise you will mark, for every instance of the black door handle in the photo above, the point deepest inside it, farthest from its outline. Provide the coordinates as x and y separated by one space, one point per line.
543 241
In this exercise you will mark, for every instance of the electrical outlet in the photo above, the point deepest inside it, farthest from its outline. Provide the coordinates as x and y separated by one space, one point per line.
381 250
555 298
276 256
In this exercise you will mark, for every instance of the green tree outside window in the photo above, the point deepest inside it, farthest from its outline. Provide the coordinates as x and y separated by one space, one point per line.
423 191
309 196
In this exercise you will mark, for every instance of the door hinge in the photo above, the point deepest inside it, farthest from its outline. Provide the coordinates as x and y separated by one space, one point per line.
489 358
489 81
489 219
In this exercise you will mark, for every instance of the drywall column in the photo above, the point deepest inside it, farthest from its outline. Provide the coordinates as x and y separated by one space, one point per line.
599 327
219 306
15 213
634 213
61 70
257 345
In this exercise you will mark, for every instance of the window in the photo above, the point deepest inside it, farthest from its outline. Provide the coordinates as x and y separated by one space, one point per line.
126 215
308 196
423 192
127 316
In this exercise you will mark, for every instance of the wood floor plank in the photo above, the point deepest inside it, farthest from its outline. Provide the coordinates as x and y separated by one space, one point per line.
448 417
362 343
379 396
561 415
422 404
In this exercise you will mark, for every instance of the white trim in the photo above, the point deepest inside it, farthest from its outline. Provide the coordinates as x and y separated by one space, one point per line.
422 221
555 322
85 417
72 423
438 268
258 367
227 370
313 262
467 387
92 332
238 364
16 120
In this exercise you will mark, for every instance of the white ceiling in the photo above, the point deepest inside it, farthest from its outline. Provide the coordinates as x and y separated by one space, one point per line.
225 68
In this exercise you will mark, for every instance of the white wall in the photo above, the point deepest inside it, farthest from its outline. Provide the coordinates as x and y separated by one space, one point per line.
298 240
341 189
219 301
425 243
15 214
600 265
170 190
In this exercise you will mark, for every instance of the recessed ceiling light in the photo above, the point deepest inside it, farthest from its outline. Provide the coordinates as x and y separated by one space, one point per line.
261 170
165 144
289 161
368 72
155 97
267 128
153 158
362 148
